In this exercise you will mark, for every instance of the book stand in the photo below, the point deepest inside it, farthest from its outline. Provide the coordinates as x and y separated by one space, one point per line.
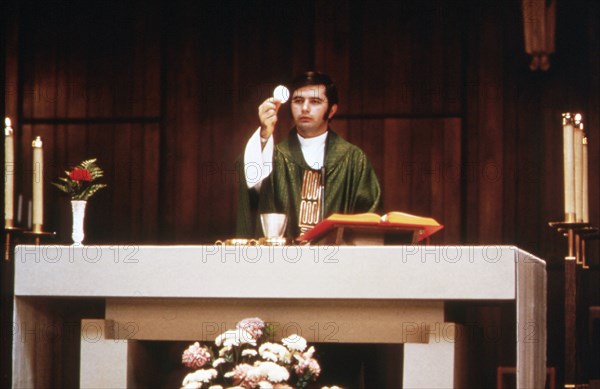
360 235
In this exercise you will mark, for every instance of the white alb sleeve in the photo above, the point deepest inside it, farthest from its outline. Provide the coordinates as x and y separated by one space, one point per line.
258 161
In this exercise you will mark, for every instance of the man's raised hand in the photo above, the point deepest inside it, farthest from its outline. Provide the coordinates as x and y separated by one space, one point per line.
267 113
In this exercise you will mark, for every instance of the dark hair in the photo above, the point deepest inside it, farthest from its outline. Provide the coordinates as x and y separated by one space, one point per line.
316 78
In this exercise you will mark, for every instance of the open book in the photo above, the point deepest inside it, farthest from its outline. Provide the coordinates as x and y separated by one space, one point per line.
423 226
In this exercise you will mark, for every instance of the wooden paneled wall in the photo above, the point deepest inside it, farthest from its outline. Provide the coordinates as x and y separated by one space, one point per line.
166 94
438 93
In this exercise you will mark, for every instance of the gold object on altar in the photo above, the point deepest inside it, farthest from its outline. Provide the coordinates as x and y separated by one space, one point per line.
272 241
236 242
252 242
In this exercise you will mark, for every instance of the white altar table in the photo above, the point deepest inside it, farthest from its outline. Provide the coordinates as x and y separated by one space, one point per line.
362 294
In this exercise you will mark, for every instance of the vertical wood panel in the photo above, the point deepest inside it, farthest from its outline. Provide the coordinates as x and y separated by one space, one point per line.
122 182
490 156
421 157
333 46
368 63
149 226
11 64
484 140
137 172
400 29
451 173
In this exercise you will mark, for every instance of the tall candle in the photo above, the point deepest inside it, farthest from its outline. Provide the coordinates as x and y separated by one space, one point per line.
578 162
569 168
9 170
38 190
585 187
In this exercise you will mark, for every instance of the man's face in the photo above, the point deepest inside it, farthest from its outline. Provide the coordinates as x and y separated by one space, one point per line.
309 106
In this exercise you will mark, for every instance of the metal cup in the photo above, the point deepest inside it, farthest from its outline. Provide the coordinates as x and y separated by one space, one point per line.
273 224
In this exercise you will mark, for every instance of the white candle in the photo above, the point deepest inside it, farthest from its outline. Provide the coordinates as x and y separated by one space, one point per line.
585 187
9 170
569 168
38 180
578 162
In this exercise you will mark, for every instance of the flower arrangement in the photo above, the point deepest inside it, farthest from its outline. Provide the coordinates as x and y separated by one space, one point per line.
79 182
246 359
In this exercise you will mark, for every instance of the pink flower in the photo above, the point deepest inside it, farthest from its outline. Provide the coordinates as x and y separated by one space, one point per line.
241 376
311 365
195 356
252 325
307 364
78 174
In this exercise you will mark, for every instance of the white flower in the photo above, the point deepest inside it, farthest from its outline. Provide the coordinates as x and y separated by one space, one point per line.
269 356
242 374
224 350
235 338
192 385
309 353
265 385
274 352
295 342
215 387
197 378
251 352
272 371
218 361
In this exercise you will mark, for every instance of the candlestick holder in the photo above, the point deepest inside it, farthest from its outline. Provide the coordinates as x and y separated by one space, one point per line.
38 233
587 234
10 232
577 234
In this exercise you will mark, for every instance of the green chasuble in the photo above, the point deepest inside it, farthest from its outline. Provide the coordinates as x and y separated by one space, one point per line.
351 185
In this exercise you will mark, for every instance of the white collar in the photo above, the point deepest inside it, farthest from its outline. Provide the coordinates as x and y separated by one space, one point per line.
312 142
313 150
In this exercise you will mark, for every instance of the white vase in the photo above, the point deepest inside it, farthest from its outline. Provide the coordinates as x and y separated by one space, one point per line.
78 207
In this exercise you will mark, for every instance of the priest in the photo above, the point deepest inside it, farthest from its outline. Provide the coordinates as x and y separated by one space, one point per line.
312 173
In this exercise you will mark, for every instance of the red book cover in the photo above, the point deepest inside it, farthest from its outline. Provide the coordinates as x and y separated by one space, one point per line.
426 225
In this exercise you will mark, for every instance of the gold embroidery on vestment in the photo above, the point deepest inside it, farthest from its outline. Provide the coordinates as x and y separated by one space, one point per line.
310 204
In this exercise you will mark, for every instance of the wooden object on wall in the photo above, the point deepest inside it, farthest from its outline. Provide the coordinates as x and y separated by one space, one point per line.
539 20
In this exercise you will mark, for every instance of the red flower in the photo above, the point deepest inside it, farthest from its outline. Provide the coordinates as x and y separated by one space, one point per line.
78 174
